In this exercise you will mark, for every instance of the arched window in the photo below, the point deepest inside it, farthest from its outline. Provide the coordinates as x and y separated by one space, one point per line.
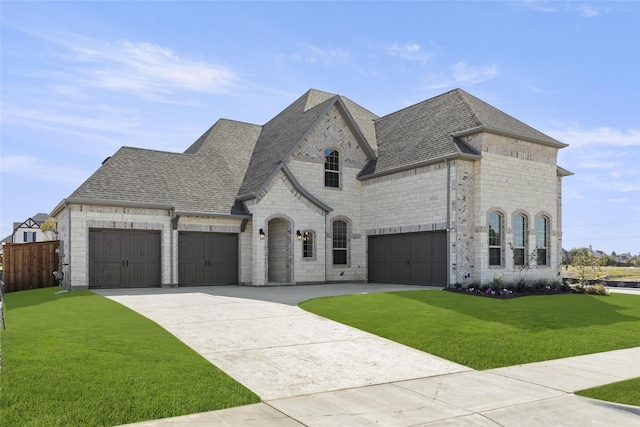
542 240
495 238
520 240
340 237
331 168
308 244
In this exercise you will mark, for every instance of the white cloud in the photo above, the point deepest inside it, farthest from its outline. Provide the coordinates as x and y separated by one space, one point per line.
605 183
34 168
540 6
94 118
604 160
586 10
461 74
147 68
408 51
464 73
315 54
601 136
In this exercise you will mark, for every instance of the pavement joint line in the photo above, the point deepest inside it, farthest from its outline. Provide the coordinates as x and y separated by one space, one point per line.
306 344
284 413
228 320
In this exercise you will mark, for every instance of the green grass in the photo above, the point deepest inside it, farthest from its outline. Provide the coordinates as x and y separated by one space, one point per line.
485 333
627 392
80 359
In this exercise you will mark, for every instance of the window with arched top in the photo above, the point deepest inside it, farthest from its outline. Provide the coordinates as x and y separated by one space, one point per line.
520 240
340 242
331 168
496 238
542 240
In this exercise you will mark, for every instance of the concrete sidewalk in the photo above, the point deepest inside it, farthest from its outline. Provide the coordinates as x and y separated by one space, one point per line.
310 371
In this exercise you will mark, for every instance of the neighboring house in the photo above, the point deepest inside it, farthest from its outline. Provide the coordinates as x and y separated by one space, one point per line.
450 190
622 258
28 231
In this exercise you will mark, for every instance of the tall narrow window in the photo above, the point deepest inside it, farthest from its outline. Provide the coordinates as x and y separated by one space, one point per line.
331 168
495 238
340 242
308 241
542 240
519 240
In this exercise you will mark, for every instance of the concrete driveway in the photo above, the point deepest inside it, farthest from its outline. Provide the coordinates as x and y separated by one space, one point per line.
315 372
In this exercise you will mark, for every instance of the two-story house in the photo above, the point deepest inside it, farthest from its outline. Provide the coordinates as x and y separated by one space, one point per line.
450 190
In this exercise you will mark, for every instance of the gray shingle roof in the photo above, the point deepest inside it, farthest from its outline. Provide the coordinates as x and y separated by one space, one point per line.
427 130
233 161
205 179
285 131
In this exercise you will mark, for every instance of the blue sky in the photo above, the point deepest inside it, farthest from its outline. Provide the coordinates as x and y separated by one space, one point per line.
81 79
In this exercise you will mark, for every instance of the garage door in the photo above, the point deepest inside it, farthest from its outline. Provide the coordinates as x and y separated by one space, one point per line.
207 258
411 258
124 258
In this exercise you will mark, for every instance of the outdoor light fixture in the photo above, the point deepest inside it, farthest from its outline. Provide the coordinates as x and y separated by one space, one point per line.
299 234
261 232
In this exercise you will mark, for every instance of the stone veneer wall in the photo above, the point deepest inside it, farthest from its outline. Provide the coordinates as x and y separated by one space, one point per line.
281 198
462 222
63 222
80 218
513 176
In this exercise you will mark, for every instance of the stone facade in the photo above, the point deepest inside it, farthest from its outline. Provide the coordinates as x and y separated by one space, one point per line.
452 194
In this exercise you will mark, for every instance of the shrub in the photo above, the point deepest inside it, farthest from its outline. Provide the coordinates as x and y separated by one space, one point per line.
497 282
596 290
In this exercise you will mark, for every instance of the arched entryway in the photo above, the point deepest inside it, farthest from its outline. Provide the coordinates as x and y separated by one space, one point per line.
280 253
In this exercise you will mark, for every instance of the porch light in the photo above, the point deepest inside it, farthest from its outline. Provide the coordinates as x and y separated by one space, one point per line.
261 232
299 235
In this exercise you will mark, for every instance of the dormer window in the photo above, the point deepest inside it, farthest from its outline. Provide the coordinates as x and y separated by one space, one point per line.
331 168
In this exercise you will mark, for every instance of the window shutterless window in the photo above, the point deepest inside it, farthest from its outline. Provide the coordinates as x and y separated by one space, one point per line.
495 238
331 168
340 242
308 241
519 240
542 240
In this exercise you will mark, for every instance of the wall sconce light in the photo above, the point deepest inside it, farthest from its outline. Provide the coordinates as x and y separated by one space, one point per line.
299 235
261 232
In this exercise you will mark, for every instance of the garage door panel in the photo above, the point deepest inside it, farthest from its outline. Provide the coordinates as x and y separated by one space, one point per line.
411 258
124 258
207 258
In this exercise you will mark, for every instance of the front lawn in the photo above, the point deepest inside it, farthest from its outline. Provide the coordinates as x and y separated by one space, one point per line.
81 359
627 392
485 333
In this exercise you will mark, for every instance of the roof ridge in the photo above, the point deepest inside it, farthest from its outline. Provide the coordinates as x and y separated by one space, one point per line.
433 98
316 97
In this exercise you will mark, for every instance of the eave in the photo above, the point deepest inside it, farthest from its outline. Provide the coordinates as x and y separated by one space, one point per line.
296 185
489 129
461 156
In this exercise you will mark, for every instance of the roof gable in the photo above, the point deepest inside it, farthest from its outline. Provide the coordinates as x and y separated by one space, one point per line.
283 134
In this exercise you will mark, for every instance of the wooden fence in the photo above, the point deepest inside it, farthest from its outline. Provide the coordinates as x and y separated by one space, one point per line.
29 265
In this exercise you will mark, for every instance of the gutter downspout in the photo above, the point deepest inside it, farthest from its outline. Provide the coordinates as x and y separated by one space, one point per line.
325 246
67 279
173 223
446 161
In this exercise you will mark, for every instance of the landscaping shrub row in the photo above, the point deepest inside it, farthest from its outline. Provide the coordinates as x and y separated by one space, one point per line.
499 289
